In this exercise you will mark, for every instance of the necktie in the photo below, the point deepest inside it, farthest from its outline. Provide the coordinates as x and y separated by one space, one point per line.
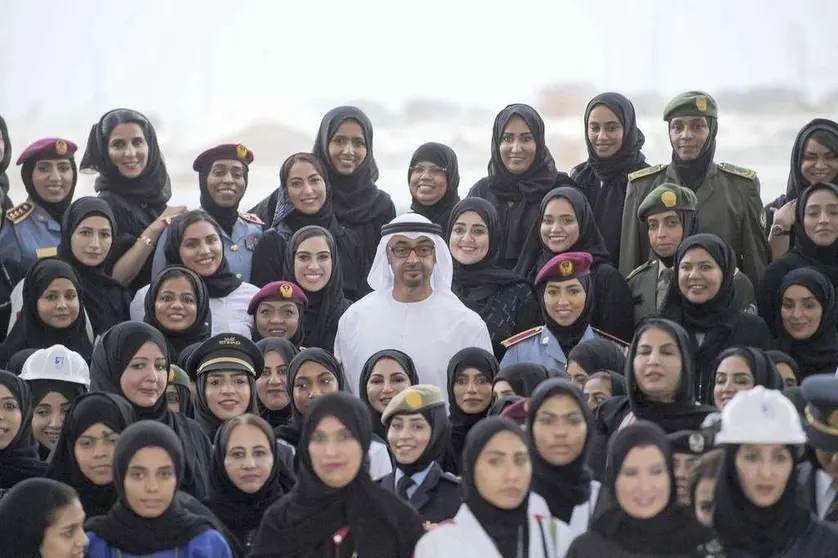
663 286
831 515
404 483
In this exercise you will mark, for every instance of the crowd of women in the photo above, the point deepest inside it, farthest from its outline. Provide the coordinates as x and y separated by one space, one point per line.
661 379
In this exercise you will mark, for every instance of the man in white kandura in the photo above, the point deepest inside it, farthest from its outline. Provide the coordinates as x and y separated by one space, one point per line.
411 307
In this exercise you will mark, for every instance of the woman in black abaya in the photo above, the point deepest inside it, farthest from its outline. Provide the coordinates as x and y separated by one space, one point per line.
18 449
433 177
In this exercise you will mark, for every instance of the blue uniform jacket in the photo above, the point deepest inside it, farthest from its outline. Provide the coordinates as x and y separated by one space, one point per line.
541 348
209 544
28 234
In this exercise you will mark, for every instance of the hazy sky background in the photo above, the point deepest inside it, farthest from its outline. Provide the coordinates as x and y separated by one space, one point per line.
207 67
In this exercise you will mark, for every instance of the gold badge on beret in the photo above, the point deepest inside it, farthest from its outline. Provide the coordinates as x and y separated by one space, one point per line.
61 147
696 442
241 151
669 199
229 341
566 268
172 375
286 291
413 400
701 103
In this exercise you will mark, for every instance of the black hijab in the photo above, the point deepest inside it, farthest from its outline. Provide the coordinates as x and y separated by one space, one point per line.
563 486
19 460
201 328
569 336
209 421
462 422
86 410
762 368
744 526
292 431
476 284
239 511
442 156
805 253
55 209
535 254
17 360
604 179
29 330
288 351
223 281
507 528
819 353
122 528
326 306
404 362
5 161
692 173
305 521
779 357
106 301
226 217
594 355
825 132
287 219
674 530
524 377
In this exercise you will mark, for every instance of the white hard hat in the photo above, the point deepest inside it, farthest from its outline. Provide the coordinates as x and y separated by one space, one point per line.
760 416
56 363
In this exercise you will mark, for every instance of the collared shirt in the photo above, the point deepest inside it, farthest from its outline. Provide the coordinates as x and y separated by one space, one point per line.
824 492
543 348
418 478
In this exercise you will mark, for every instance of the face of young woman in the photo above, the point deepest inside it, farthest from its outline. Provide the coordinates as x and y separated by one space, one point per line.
10 417
312 381
789 379
144 380
128 150
732 376
596 391
249 458
176 305
65 537
272 385
605 131
226 183
348 147
699 276
764 471
559 430
408 437
564 301
517 146
472 391
91 240
48 418
800 312
577 374
336 455
52 179
820 219
150 482
387 379
306 188
313 264
58 306
172 398
228 393
93 451
469 241
687 135
559 226
503 471
704 501
201 249
643 484
819 164
428 182
657 365
682 464
665 232
277 318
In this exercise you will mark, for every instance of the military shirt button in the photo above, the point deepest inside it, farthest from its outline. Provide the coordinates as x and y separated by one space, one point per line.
40 217
234 248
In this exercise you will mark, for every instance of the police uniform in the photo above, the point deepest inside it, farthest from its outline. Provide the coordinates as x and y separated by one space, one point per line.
538 345
30 232
650 281
821 426
729 203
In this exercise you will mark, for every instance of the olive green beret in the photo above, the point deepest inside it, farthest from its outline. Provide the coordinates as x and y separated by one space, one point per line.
691 103
667 197
177 377
414 399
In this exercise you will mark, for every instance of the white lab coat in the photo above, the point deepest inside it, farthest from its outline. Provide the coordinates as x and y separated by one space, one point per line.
464 537
582 514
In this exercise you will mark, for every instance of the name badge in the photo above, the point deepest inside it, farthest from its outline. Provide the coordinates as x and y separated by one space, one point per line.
46 252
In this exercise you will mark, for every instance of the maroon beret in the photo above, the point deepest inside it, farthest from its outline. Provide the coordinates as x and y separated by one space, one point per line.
227 151
565 266
278 290
48 148
518 411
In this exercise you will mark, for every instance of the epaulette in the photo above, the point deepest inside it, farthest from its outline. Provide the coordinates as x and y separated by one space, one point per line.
616 340
648 171
518 337
640 268
20 212
251 218
738 171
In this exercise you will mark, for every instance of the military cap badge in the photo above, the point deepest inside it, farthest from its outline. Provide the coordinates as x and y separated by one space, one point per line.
669 199
61 147
286 291
566 268
241 151
701 103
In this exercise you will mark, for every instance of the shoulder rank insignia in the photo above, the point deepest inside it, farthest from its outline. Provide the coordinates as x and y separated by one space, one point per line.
738 171
20 212
641 267
518 337
622 345
251 218
648 171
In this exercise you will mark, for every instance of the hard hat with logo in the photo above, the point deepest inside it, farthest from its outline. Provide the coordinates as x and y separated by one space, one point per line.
760 416
56 363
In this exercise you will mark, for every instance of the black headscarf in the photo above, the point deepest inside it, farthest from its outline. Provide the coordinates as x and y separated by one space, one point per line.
326 306
805 253
437 418
223 281
29 330
779 357
55 209
17 360
122 528
201 328
287 219
442 156
819 353
292 431
693 172
239 511
210 423
6 160
762 369
462 422
288 351
406 364
563 486
827 132
674 530
604 179
506 528
19 460
535 254
569 336
226 217
524 377
106 301
476 284
86 410
304 521
744 526
595 355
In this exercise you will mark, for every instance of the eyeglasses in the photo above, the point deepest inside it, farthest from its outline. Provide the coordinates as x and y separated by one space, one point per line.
433 171
403 252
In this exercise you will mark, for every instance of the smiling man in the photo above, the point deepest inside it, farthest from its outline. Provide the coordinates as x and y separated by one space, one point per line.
411 308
